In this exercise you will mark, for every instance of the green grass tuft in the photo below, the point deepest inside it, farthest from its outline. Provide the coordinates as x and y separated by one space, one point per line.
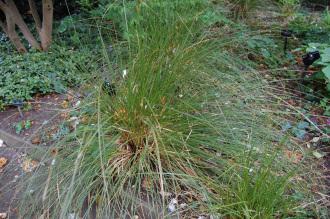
179 127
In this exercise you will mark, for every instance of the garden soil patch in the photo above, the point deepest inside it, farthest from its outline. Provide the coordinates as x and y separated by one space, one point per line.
44 115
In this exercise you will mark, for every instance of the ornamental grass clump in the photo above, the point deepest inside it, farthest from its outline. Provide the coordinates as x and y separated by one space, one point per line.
181 119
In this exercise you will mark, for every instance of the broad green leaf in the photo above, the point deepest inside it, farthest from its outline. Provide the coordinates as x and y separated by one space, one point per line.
326 55
317 154
326 71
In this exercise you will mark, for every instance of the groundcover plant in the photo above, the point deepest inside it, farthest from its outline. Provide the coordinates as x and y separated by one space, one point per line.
187 133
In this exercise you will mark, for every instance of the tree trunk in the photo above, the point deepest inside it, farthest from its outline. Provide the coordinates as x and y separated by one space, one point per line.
47 24
35 14
44 28
9 28
13 36
16 16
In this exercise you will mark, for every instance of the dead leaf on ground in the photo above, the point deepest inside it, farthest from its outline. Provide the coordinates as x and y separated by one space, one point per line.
69 97
293 156
54 152
29 165
65 104
84 120
147 183
3 162
36 140
65 115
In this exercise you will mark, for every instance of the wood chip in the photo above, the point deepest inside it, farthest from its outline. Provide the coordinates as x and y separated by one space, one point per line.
36 140
29 165
3 162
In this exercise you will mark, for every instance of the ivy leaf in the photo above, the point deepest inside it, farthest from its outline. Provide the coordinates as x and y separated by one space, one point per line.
317 154
286 126
302 125
63 27
326 55
299 133
265 53
326 71
28 124
19 127
328 86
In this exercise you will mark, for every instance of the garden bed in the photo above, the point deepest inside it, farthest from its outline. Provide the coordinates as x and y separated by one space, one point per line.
46 114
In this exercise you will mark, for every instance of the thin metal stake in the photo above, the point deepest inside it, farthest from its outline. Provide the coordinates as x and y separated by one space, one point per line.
20 111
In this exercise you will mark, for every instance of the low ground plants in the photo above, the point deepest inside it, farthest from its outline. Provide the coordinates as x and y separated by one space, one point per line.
22 76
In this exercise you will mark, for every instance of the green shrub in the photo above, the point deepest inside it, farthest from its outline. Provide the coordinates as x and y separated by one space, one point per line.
181 120
326 19
22 76
256 192
308 29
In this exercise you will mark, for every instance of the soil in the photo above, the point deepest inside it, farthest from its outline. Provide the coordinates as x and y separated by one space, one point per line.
45 114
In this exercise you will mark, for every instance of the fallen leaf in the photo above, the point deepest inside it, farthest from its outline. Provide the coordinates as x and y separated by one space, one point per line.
65 104
3 162
299 60
36 140
317 154
54 151
29 165
84 120
294 156
69 97
65 115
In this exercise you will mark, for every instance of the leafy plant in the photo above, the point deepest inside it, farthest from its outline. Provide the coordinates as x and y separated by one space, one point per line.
22 125
263 49
325 104
22 76
324 62
309 29
326 19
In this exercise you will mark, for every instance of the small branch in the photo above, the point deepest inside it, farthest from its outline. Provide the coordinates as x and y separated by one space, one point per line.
35 14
